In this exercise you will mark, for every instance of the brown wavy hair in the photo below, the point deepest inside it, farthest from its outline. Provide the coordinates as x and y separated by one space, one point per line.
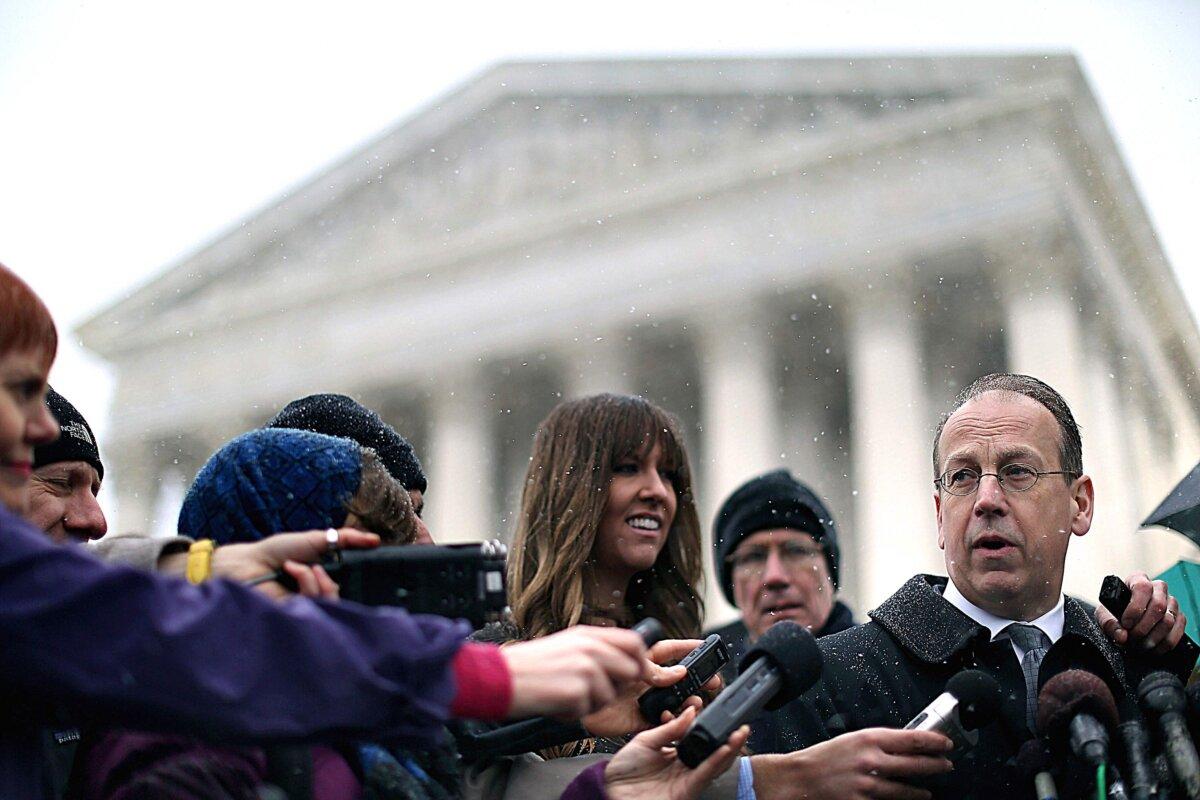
574 452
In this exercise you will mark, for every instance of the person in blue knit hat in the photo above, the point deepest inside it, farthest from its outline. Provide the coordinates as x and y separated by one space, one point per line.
276 479
264 481
339 415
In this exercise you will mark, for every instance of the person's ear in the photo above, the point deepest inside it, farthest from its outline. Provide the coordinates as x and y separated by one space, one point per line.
1083 504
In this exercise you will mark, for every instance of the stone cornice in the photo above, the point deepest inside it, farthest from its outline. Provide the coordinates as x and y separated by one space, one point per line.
116 329
1051 122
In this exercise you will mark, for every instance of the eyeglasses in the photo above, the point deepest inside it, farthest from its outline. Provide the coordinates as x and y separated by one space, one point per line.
1012 478
753 560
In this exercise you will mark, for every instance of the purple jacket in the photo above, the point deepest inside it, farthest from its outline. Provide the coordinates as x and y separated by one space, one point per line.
116 645
588 785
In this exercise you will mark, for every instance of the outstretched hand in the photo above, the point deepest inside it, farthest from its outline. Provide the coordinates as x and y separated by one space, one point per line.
291 552
573 672
622 716
648 768
862 765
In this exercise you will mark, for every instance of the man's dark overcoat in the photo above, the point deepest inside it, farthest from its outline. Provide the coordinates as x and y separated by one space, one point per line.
884 672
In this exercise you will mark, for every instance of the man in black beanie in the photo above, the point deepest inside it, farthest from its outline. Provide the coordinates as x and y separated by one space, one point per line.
66 478
339 415
776 551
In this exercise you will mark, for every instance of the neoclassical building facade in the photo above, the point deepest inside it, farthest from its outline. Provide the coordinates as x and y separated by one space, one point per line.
804 259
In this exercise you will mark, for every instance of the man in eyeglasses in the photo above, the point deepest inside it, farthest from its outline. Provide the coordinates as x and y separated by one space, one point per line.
1010 493
776 552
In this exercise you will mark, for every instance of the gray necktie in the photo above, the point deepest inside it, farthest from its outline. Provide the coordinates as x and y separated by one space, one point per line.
1035 643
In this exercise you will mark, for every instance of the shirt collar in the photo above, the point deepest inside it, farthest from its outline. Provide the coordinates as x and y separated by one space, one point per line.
1051 623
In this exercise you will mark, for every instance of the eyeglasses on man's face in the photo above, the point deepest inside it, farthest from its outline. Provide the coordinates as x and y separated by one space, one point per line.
962 481
753 560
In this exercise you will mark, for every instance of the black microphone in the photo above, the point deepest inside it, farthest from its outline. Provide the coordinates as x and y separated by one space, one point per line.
1077 708
779 668
1135 741
1162 774
1034 762
1162 697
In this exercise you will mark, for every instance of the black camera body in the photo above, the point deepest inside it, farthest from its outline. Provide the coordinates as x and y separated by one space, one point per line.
460 581
702 663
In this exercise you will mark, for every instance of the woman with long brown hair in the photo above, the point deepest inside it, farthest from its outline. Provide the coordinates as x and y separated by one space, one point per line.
608 532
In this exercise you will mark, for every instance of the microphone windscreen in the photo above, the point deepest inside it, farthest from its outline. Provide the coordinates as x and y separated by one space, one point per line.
1161 692
1074 692
1033 757
978 697
794 652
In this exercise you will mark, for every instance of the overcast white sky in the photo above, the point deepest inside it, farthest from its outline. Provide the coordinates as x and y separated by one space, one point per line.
132 132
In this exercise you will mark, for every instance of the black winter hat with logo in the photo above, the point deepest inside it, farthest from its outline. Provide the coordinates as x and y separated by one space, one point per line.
75 441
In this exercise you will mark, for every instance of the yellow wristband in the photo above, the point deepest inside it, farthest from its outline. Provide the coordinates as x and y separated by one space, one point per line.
199 561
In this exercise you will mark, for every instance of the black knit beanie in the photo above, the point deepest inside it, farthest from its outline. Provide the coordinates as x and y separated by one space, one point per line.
75 442
338 415
774 500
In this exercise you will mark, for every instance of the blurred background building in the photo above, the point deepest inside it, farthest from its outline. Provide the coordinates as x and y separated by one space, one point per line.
804 259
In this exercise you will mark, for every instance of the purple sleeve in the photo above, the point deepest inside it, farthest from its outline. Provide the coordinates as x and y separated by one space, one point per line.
588 785
140 650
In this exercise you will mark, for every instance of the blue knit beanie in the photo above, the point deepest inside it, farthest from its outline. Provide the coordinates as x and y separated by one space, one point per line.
272 481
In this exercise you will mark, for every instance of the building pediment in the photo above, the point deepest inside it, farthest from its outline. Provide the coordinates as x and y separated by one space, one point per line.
531 147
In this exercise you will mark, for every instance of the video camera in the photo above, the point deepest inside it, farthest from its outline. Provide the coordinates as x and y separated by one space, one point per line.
459 581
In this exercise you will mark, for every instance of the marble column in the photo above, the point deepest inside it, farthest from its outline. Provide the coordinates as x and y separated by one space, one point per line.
890 445
1113 546
460 461
1139 324
738 417
1044 336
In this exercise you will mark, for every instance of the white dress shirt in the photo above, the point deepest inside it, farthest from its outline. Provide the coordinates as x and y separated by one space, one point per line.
1051 623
